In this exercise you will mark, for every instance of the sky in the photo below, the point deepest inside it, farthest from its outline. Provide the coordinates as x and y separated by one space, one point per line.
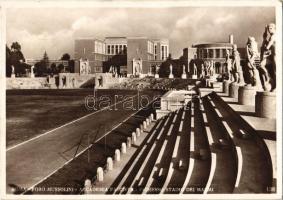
55 29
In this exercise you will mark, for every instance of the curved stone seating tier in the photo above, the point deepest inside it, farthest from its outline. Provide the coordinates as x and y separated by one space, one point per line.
180 157
257 165
165 157
152 157
200 157
225 173
165 163
138 157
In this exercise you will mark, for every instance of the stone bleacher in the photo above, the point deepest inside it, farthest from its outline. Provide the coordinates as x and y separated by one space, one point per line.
203 147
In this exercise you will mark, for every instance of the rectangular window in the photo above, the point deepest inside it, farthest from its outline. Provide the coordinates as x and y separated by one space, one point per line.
223 53
108 49
210 52
120 49
162 52
217 53
112 49
205 53
166 52
116 49
198 53
155 49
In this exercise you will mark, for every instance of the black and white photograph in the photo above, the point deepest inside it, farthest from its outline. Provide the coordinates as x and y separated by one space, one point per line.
141 99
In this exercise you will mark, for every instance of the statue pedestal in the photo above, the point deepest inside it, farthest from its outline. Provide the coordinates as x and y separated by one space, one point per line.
265 104
217 86
13 76
156 76
233 90
194 77
171 76
226 84
184 76
246 95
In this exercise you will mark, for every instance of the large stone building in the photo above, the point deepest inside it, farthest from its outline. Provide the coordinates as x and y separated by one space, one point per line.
202 52
130 55
92 50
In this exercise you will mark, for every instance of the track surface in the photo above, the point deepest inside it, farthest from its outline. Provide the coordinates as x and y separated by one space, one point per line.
29 163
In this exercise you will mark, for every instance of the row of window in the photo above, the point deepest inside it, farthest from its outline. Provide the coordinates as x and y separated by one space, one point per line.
212 53
99 47
115 49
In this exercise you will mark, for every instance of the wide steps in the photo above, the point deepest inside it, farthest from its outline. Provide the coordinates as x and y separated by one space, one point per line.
256 166
205 147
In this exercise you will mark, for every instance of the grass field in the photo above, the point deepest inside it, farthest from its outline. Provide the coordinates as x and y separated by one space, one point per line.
33 112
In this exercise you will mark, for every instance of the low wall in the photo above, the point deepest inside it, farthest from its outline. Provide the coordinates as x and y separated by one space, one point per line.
28 83
72 81
75 80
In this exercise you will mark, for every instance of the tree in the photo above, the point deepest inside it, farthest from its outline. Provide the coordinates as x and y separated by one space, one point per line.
8 62
45 59
16 46
72 66
60 68
17 59
42 65
53 68
65 56
40 68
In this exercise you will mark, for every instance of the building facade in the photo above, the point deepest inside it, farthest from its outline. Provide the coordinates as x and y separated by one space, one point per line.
200 53
90 49
113 50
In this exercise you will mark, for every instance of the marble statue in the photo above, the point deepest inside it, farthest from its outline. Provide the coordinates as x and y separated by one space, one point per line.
184 74
32 72
195 72
137 67
236 70
212 67
208 68
156 71
110 69
267 67
84 66
228 63
171 71
252 56
202 71
13 72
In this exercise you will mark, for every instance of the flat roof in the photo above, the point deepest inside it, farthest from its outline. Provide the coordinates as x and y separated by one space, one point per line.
215 44
88 38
